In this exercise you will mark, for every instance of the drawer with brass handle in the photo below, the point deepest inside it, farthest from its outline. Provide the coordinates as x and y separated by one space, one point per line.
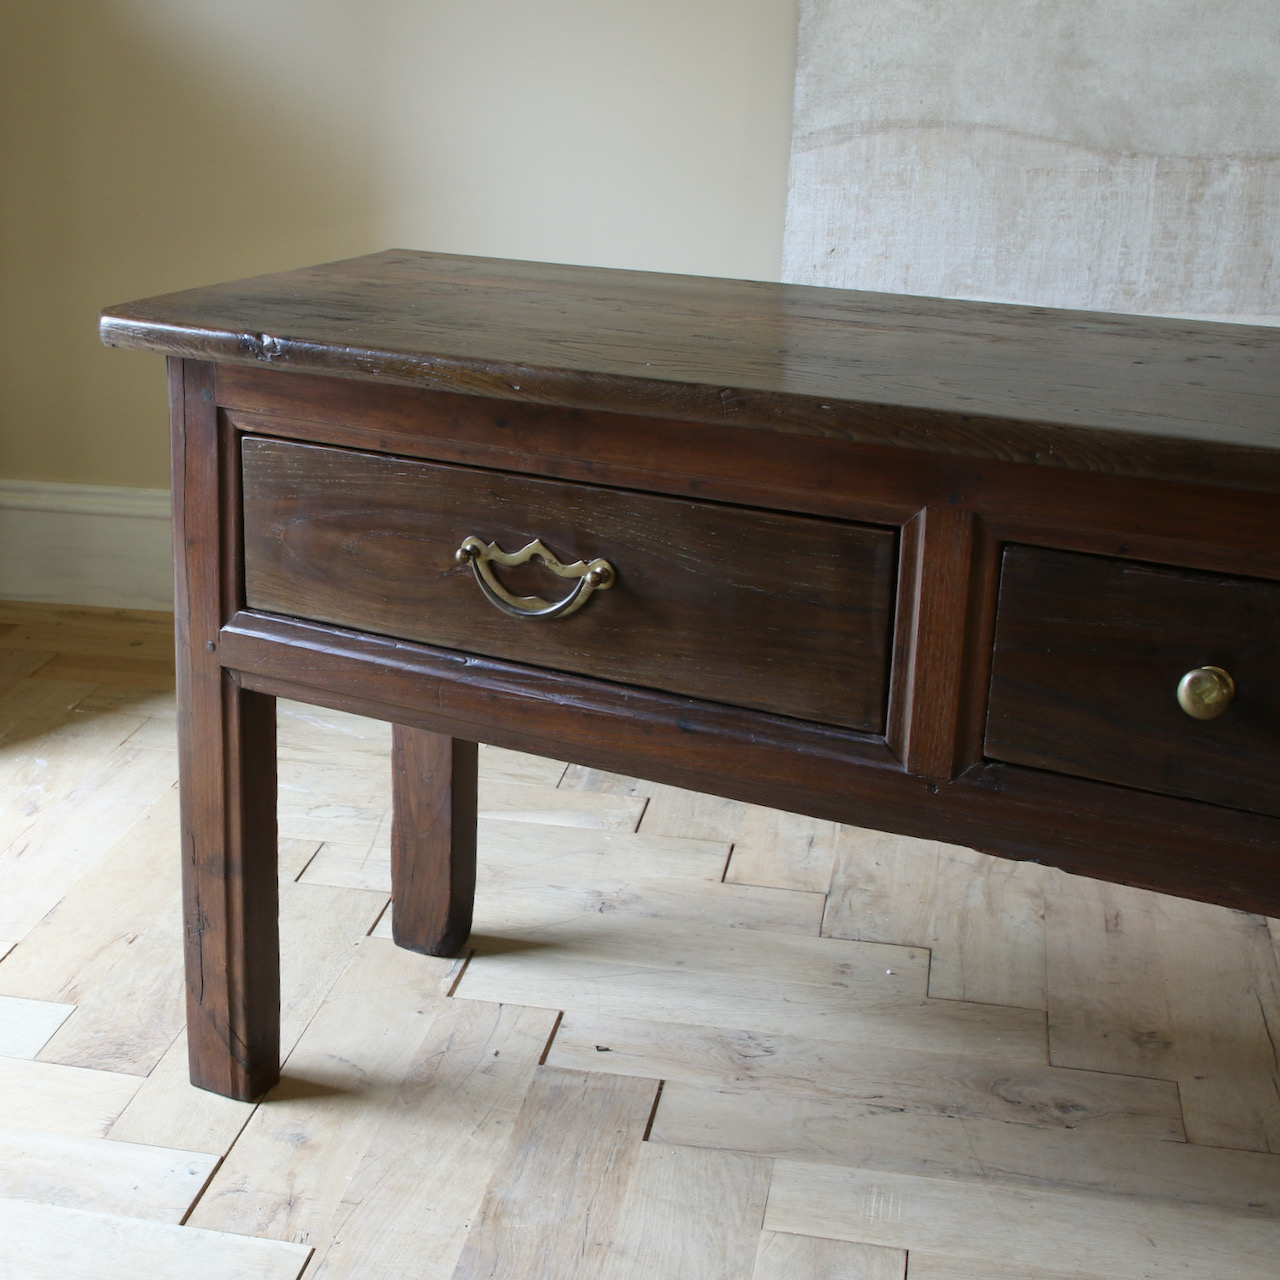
1159 678
776 612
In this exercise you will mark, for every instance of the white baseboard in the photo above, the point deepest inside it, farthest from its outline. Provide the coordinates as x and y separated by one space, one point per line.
85 544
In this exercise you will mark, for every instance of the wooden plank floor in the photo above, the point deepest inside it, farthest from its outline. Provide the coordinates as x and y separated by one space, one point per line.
691 1038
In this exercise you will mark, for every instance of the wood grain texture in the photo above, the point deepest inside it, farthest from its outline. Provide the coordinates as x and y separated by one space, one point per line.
863 974
1114 1162
762 462
689 1214
940 1266
534 877
129 672
945 376
929 650
981 918
867 1079
47 1242
1088 655
111 948
556 1201
123 1178
17 664
1171 522
768 847
691 815
227 769
1155 986
320 928
432 1122
438 1144
68 1100
791 1257
553 806
433 841
551 979
50 747
1129 1237
33 706
368 542
287 1171
167 1110
124 635
68 835
782 850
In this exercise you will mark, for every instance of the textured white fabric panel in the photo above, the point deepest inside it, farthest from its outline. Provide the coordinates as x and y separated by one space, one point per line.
1117 155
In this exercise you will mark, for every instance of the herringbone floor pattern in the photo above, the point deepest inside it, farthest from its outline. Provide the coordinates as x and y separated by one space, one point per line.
692 1039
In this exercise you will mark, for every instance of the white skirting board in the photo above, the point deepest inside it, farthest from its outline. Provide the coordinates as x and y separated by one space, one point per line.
85 544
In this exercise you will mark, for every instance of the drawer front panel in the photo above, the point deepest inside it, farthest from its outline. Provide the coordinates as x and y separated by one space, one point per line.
1089 655
773 612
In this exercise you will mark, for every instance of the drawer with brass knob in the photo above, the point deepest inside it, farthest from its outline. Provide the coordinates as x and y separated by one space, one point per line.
1142 675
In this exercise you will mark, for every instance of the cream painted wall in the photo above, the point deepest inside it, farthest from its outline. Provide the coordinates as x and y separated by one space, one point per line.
152 145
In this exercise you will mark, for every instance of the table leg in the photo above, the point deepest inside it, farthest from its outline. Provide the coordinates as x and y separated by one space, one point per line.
227 762
433 840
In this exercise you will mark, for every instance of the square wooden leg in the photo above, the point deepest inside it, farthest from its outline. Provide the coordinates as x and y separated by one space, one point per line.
230 891
433 840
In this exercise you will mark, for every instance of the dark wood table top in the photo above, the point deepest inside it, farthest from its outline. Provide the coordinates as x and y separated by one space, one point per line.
1129 395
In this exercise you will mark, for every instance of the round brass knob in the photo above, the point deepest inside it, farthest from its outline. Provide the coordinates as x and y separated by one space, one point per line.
1206 692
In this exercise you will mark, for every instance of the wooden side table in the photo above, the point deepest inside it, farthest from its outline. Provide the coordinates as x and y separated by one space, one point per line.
997 575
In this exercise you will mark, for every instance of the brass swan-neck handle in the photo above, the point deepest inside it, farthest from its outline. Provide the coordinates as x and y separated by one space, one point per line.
592 575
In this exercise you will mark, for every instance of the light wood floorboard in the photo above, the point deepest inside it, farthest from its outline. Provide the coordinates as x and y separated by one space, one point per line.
43 863
935 1266
47 1097
27 1024
553 979
165 1110
555 1205
795 1127
1154 985
16 665
859 1079
689 1214
785 1257
287 1171
981 917
48 1242
1138 1238
783 850
578 777
406 1210
108 948
102 1176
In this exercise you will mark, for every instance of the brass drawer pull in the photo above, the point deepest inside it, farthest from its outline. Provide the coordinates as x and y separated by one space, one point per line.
594 575
1206 692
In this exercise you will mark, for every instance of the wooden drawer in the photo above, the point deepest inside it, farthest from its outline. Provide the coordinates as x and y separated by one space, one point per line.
774 612
1089 653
